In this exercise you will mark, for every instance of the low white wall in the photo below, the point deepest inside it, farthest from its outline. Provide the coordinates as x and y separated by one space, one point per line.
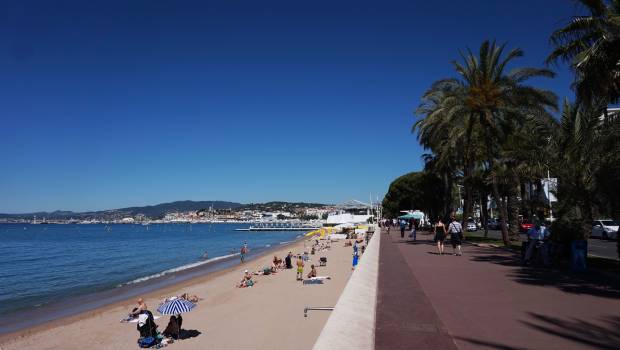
352 322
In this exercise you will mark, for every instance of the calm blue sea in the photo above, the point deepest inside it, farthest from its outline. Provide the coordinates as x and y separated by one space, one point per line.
44 264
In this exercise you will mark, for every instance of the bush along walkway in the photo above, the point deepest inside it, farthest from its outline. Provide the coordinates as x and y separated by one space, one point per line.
485 299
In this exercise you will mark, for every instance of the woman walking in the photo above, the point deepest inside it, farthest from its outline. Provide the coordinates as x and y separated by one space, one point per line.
440 235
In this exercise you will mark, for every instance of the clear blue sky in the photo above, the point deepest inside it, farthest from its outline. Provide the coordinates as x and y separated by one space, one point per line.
105 104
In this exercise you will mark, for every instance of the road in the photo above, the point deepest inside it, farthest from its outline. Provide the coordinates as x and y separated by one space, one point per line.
596 247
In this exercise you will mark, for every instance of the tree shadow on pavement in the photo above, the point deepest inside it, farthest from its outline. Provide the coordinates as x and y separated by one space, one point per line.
579 331
488 344
592 282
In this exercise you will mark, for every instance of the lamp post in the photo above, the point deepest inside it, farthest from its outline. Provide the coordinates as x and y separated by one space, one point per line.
549 184
549 194
460 201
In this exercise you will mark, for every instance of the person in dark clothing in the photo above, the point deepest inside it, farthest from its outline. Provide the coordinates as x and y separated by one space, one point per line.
174 327
288 262
146 324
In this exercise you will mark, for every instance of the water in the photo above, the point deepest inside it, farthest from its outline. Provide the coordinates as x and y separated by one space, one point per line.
47 264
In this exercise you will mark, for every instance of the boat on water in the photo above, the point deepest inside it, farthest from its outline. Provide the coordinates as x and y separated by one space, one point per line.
286 226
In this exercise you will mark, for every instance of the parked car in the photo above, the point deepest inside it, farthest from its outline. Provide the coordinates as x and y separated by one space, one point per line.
605 229
472 227
525 226
495 224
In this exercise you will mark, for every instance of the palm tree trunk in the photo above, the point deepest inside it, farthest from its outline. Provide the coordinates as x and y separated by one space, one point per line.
495 187
503 210
485 212
513 209
447 196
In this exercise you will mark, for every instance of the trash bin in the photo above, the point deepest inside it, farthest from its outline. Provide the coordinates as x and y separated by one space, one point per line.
578 255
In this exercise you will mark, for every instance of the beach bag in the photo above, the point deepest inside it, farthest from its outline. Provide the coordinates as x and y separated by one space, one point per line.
146 342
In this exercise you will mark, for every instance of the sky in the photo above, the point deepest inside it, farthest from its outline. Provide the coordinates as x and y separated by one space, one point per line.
109 104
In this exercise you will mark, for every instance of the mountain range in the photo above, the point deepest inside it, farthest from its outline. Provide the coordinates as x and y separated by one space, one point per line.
159 210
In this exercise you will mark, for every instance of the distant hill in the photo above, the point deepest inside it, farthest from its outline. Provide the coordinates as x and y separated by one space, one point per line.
151 211
279 206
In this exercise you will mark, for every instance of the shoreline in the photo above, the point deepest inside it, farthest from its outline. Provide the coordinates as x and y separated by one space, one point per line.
266 316
147 289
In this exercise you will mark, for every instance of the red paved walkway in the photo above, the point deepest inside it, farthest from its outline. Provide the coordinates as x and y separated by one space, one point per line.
485 300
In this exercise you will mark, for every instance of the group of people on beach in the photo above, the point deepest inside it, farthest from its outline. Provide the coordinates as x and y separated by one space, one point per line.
277 264
148 329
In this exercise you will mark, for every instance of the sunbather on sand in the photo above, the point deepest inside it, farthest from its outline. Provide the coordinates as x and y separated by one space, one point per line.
312 272
137 310
246 281
193 298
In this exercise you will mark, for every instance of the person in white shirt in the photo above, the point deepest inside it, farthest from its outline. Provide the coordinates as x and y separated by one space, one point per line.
456 236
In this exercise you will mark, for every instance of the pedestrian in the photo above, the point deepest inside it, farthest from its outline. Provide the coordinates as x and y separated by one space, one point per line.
300 268
534 235
440 235
355 256
243 251
402 228
413 232
456 236
287 260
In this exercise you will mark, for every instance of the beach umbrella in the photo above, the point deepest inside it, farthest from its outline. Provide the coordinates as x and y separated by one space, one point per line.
176 307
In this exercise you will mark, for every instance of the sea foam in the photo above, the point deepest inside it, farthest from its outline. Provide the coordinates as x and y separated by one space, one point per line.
177 269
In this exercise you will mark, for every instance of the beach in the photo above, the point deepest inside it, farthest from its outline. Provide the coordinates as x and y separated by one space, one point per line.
268 315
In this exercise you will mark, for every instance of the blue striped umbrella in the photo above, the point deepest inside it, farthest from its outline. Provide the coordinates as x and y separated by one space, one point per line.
175 307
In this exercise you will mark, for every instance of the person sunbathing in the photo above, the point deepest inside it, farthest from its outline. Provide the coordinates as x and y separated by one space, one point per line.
137 310
247 280
193 298
312 272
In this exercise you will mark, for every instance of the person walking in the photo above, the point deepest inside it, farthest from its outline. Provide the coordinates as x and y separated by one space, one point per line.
456 236
402 228
535 235
243 251
440 235
413 231
355 256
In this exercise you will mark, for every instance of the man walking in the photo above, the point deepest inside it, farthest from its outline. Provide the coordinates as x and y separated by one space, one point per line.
534 235
413 232
402 228
243 251
456 236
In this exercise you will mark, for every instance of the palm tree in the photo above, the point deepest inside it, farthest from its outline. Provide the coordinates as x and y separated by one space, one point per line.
586 147
486 100
591 45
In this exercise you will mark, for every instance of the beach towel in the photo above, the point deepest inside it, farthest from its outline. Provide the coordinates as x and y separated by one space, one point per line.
316 280
135 320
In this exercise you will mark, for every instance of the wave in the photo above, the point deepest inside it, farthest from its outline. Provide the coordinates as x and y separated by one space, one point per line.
285 242
177 269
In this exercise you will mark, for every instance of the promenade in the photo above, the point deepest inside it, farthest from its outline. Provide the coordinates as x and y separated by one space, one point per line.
486 300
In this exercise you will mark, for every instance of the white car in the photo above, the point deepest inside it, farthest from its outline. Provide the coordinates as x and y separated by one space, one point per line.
471 227
606 229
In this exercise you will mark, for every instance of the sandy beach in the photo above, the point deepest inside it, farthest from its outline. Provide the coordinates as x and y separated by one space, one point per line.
266 316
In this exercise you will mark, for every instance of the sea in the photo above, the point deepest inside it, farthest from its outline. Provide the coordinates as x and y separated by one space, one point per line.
51 271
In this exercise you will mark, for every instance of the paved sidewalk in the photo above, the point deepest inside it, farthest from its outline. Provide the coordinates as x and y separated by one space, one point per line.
486 300
405 317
